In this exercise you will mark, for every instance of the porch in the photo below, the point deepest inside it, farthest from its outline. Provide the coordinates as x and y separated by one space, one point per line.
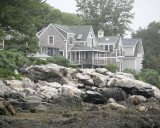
88 58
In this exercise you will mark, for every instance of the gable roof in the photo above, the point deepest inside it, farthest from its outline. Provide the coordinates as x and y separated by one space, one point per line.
129 42
81 32
63 27
50 25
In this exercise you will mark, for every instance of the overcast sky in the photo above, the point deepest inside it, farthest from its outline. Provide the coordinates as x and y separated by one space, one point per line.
145 11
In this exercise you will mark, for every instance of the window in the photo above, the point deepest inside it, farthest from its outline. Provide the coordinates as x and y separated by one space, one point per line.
61 53
106 48
51 40
111 48
70 40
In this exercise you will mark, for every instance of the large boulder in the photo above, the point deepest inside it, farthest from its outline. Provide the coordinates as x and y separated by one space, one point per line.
15 85
114 106
94 97
116 93
49 73
99 79
47 91
69 98
136 87
84 78
4 89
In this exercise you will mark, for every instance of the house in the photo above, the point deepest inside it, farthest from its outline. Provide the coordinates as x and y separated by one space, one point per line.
84 51
80 45
134 53
114 48
76 43
54 40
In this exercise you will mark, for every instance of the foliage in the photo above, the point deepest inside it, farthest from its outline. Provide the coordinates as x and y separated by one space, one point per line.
151 42
40 62
112 67
113 16
73 66
150 76
132 71
22 19
12 60
59 60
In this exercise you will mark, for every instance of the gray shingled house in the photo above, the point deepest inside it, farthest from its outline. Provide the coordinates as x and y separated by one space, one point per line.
114 48
77 43
134 53
80 45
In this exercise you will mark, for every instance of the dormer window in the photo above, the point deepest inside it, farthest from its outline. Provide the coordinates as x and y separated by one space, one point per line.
51 40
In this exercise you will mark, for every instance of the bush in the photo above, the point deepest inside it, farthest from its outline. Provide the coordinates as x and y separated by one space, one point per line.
73 66
39 62
150 76
59 60
112 67
12 60
8 74
132 71
9 61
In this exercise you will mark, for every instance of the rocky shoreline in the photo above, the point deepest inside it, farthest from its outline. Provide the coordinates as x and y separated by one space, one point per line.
55 96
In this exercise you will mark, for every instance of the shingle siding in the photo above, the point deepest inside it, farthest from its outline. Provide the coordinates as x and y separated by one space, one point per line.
58 39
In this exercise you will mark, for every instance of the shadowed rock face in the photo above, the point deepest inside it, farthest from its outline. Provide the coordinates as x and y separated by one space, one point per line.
94 97
116 93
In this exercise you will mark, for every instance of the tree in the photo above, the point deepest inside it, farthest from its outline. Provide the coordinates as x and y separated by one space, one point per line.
21 20
113 16
151 42
150 76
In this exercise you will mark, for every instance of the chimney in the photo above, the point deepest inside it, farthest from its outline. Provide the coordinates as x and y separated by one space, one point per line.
100 33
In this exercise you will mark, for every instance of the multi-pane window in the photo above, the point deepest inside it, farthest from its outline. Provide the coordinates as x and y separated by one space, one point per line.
109 48
106 48
51 40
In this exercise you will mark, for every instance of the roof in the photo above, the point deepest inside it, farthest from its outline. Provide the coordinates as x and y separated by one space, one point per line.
64 28
107 39
84 48
128 42
81 32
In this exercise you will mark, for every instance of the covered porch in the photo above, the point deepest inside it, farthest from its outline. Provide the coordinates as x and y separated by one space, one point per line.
87 56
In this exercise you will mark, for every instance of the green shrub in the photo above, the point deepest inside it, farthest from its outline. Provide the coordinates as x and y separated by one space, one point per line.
59 60
9 61
112 67
39 62
132 71
73 66
12 60
150 76
8 74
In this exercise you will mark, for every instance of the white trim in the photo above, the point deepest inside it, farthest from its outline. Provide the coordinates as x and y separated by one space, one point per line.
66 50
49 40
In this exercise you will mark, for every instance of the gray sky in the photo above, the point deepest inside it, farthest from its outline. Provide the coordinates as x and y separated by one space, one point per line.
145 11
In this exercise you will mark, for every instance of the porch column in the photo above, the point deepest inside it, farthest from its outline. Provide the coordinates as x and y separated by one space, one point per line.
79 57
75 57
98 57
92 59
70 56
